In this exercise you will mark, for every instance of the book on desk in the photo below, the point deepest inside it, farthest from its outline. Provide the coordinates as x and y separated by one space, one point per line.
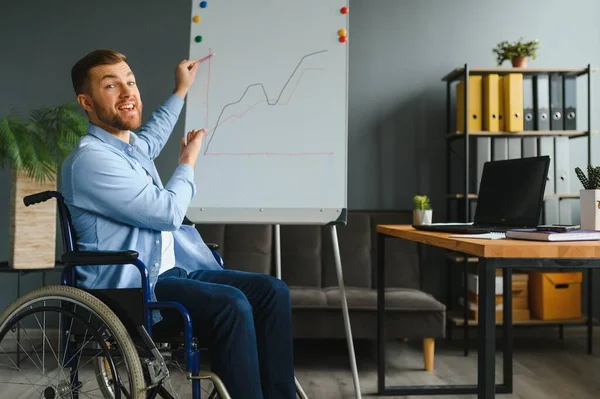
536 235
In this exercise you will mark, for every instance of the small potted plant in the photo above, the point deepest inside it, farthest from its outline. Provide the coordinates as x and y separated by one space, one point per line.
34 148
422 212
517 52
589 198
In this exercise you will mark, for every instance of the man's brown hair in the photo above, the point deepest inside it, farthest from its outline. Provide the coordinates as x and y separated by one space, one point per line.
81 69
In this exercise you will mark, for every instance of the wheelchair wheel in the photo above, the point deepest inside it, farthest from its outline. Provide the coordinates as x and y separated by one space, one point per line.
56 332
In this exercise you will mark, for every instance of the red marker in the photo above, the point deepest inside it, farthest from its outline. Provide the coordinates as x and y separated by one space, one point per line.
201 60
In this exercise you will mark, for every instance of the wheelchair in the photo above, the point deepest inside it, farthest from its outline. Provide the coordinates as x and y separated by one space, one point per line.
99 342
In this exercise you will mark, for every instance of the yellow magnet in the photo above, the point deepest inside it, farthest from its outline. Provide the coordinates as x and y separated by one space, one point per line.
196 18
342 32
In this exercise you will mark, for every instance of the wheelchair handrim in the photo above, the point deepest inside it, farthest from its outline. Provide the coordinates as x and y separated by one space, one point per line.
12 316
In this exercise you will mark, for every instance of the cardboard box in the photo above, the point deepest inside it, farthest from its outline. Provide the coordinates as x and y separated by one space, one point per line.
555 296
520 297
517 315
519 281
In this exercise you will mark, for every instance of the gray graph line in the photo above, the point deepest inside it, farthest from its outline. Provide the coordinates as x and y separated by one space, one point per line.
264 92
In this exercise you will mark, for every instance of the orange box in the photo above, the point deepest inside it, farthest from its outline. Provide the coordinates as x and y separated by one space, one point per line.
555 295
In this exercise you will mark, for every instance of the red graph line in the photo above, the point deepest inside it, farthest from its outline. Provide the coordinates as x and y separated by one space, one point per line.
284 154
208 85
239 116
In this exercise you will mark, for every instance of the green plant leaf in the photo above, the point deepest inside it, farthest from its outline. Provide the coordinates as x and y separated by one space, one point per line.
39 145
421 202
9 142
506 50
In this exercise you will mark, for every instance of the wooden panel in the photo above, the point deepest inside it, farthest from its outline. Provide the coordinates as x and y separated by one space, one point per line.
546 196
506 248
32 235
527 133
459 72
457 318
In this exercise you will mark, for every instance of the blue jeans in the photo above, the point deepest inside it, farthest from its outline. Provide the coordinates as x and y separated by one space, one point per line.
244 319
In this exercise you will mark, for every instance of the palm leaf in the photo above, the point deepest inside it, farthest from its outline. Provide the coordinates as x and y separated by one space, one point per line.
40 145
9 142
68 127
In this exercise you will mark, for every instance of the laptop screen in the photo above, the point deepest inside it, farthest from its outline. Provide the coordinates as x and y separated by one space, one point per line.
512 192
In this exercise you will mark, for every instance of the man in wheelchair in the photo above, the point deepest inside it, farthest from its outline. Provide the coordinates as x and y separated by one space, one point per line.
118 202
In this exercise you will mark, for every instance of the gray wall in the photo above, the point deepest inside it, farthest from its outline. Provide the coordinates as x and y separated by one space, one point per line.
399 50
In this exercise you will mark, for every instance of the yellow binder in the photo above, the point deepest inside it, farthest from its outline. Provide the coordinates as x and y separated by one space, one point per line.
493 103
475 104
513 102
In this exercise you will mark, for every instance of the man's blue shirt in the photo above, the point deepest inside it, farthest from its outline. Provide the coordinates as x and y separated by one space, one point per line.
114 206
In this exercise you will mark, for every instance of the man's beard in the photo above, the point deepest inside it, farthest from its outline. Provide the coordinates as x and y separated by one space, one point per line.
115 121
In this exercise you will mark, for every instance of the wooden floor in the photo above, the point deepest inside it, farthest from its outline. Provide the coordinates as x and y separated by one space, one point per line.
544 367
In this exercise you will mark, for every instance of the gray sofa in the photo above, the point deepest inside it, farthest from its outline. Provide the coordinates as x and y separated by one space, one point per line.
308 268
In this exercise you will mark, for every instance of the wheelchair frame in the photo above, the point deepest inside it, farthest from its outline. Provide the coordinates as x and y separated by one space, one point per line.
142 328
73 258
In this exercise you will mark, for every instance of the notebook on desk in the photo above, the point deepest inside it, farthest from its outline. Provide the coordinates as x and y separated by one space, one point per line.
511 196
535 235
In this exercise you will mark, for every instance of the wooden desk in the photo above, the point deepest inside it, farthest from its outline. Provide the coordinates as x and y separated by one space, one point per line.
495 248
492 254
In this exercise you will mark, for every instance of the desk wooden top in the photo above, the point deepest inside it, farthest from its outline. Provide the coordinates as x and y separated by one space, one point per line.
503 248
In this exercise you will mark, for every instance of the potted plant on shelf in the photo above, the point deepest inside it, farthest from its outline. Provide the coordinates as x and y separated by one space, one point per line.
517 52
589 198
422 212
33 149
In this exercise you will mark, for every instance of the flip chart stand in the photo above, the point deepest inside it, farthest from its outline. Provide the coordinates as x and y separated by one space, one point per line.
345 313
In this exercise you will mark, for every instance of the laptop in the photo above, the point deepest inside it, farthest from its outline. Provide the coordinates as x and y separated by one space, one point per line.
511 196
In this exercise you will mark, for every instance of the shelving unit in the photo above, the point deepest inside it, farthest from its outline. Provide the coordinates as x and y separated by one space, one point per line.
465 197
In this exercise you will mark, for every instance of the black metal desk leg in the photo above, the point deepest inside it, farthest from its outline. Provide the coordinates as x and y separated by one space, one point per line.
466 307
486 329
449 304
507 356
561 332
380 313
590 310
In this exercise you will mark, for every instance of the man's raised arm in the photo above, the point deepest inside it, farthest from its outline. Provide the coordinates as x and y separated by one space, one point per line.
159 127
104 183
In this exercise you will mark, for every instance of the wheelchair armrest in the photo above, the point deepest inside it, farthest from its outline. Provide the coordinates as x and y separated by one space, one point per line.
102 258
99 257
212 246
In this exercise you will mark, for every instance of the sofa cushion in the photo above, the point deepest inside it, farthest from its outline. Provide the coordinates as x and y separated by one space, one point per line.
328 323
248 248
213 233
354 241
404 299
303 297
301 255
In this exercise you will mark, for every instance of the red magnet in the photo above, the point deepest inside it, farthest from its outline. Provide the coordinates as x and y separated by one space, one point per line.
344 10
342 39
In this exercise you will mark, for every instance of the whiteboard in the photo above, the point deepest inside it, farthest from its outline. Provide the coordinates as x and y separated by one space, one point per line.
274 100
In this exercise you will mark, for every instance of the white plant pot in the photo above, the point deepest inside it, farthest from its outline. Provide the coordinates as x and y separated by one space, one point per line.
422 216
589 209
